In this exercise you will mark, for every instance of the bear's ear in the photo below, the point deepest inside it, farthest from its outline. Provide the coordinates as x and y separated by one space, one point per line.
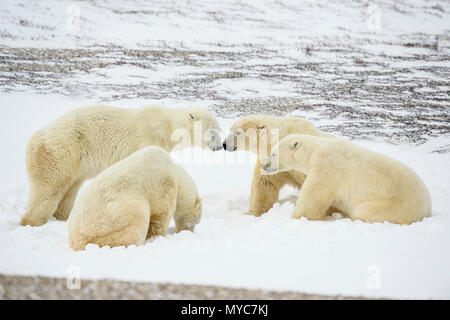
249 124
295 145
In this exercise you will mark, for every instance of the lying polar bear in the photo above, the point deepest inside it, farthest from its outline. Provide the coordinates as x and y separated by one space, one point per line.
358 182
85 141
257 133
133 200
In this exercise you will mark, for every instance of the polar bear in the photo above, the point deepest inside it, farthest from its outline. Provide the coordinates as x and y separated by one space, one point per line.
257 134
358 182
133 200
83 142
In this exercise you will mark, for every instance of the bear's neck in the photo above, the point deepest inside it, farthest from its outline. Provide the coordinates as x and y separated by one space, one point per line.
156 126
303 159
178 129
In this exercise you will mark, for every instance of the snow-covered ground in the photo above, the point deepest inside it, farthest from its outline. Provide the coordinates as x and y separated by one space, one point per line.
229 247
384 87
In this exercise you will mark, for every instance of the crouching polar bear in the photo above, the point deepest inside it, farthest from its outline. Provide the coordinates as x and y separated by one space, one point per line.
85 141
257 134
133 200
358 182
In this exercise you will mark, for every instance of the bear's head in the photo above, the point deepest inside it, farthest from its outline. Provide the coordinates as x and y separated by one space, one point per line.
189 216
255 133
197 127
292 152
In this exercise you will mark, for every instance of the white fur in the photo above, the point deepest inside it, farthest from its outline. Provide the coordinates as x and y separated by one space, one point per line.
135 199
85 141
355 181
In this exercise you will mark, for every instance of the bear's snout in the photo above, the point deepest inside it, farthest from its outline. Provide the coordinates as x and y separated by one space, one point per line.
229 146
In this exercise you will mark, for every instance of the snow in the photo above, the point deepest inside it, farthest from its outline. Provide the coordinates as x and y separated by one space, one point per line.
198 23
230 247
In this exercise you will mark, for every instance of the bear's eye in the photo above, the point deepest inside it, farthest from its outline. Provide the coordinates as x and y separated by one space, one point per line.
294 146
261 127
238 132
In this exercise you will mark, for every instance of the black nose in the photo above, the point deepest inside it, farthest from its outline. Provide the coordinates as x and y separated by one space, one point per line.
224 145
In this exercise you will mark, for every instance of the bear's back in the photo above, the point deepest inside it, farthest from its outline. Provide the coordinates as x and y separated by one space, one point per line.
366 173
141 171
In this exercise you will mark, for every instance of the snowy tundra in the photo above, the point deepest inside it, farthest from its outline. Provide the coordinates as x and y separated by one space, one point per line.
374 73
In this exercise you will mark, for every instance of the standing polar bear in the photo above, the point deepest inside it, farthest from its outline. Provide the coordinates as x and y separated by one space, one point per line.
85 141
358 182
257 134
133 200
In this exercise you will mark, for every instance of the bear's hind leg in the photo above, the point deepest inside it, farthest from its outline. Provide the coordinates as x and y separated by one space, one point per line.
66 204
126 223
51 169
42 203
381 211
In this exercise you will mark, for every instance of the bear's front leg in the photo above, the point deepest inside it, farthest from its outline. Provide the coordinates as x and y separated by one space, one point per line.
264 192
159 223
66 204
316 197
